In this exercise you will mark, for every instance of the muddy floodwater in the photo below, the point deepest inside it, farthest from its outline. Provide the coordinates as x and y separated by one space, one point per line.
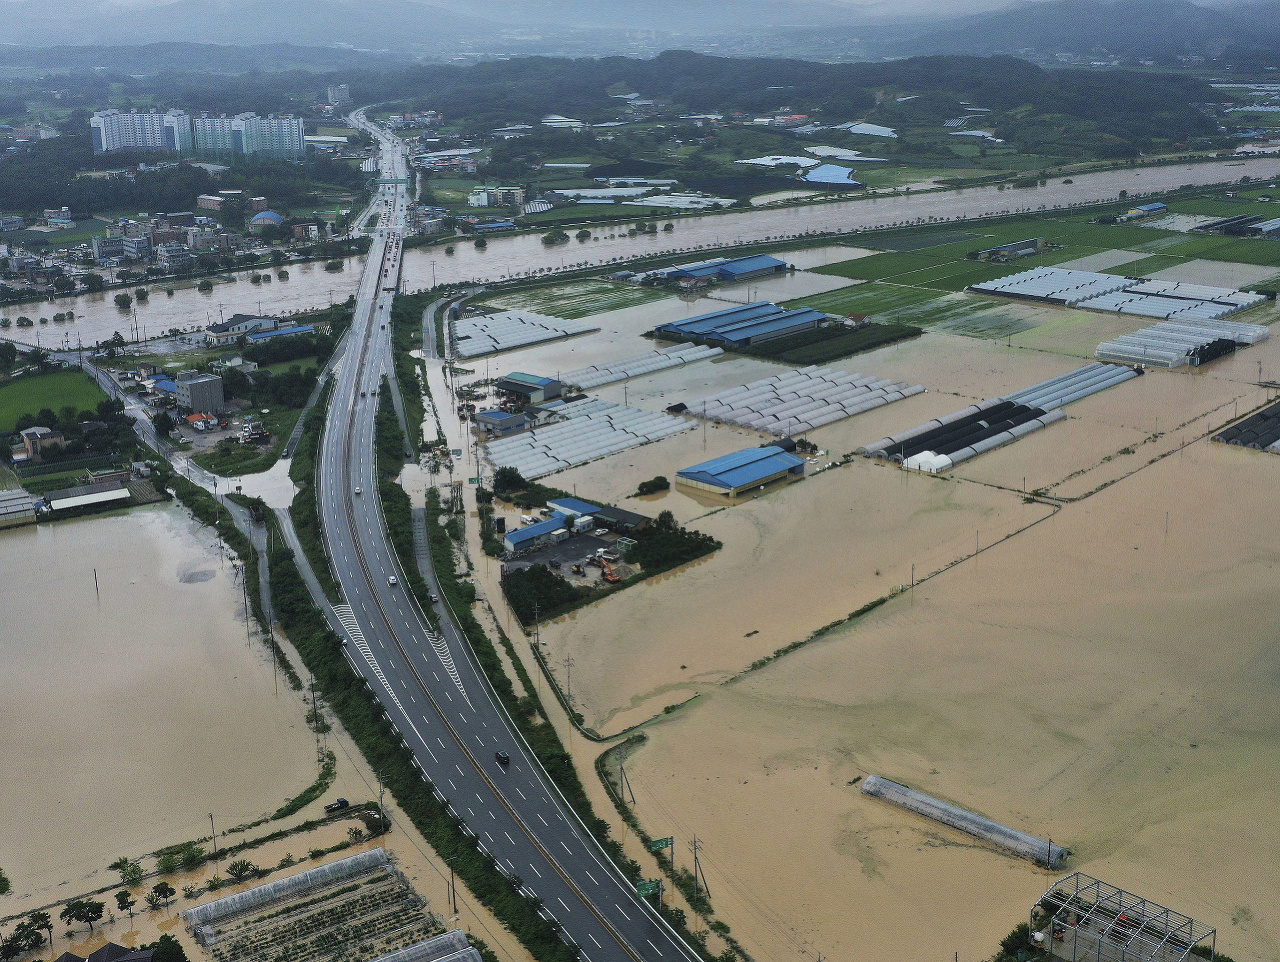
309 286
128 714
1099 667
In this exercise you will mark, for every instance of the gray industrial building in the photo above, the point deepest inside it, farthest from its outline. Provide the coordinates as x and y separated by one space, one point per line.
200 393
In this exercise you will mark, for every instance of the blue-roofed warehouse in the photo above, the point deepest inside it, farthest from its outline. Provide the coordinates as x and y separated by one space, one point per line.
279 332
573 507
742 470
499 424
743 326
536 535
730 271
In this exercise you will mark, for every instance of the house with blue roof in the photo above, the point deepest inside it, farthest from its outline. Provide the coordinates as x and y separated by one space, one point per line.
741 471
499 424
536 535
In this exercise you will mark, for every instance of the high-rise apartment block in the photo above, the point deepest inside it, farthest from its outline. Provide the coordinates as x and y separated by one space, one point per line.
339 94
246 134
115 130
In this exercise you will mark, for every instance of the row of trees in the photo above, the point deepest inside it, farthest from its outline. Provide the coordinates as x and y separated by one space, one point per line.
30 934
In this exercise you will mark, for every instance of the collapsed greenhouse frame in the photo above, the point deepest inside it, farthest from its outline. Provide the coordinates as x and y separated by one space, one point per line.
1092 919
1024 845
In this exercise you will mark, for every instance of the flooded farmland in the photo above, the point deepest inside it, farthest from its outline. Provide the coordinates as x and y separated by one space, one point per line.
1102 677
130 713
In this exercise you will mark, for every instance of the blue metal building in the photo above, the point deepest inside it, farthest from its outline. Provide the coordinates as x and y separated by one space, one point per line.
734 473
743 326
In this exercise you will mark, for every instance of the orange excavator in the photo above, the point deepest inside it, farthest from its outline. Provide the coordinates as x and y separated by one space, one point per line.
610 575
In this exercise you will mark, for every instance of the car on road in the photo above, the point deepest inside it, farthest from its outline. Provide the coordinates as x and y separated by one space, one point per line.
359 490
502 757
337 806
435 600
392 580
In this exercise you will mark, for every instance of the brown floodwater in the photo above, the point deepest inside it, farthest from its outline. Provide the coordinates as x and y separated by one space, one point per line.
130 713
309 286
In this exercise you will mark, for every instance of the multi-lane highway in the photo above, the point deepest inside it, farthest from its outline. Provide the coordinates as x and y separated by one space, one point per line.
429 683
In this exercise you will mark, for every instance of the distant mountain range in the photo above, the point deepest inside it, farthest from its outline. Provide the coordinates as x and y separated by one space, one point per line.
816 29
1132 29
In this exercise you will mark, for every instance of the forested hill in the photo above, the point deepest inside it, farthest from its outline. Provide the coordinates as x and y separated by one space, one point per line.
1133 107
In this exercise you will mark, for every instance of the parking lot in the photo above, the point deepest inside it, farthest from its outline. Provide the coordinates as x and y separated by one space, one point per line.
576 550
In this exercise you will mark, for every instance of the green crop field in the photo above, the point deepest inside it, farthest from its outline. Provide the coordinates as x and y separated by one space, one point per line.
1147 266
580 299
30 395
866 299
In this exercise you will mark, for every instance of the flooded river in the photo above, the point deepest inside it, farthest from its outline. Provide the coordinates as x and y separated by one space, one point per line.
310 286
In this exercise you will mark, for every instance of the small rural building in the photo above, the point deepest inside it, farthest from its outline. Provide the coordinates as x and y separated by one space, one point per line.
38 441
261 336
573 507
200 393
500 423
16 508
1268 228
237 325
530 388
101 493
1012 251
734 473
618 519
555 528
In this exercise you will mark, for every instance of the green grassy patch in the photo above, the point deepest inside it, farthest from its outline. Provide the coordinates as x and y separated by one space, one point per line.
583 213
867 299
901 242
230 458
54 391
579 299
1147 266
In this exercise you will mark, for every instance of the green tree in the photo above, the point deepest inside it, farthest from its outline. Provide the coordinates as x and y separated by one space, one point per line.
130 870
94 283
125 902
242 869
41 920
124 301
82 910
167 949
163 423
4 883
164 891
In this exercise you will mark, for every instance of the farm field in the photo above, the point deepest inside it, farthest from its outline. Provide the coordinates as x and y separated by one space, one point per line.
29 395
579 299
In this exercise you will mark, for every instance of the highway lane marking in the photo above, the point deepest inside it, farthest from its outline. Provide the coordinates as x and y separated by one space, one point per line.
654 947
535 870
542 820
562 902
520 793
624 914
590 876
593 939
512 841
451 785
566 847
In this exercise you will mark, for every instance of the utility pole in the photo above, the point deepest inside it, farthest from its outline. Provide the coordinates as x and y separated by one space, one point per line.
695 846
213 834
568 669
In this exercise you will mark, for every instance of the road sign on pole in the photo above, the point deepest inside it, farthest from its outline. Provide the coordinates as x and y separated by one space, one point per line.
647 889
473 480
658 844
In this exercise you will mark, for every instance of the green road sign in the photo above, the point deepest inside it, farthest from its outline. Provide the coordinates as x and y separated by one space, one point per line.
658 844
473 480
646 889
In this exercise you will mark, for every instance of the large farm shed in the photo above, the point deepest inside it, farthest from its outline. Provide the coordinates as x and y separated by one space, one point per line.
734 473
730 271
743 326
944 442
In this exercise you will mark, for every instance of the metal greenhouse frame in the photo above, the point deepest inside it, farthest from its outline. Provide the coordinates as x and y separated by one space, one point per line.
1088 919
